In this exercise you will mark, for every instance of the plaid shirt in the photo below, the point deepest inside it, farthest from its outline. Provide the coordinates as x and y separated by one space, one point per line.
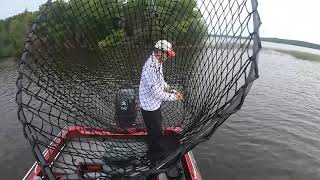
152 85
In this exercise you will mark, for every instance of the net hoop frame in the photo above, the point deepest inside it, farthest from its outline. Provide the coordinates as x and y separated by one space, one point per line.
233 105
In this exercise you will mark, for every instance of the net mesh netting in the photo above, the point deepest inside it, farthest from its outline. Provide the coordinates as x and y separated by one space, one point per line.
82 67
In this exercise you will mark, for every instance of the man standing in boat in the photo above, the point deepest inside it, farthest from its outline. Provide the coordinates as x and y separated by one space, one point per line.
153 90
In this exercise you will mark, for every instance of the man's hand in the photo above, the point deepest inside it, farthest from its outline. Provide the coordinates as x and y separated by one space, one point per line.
167 89
179 96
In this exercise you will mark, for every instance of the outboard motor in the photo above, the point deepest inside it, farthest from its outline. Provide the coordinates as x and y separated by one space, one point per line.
126 108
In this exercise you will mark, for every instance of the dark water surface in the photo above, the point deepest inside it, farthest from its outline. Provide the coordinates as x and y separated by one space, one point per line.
15 154
276 135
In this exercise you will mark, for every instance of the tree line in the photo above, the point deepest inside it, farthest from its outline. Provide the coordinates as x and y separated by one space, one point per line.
115 22
13 32
103 24
292 42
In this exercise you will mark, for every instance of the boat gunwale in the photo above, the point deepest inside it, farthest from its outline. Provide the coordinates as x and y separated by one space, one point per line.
69 132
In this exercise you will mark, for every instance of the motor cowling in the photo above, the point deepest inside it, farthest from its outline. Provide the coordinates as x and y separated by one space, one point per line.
125 113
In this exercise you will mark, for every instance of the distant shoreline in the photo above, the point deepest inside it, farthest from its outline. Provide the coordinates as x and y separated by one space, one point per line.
276 40
292 42
300 54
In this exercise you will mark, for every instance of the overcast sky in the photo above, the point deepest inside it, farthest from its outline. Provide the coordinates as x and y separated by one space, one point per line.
288 19
291 19
12 7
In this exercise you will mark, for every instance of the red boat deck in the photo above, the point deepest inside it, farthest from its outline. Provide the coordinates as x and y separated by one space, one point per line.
73 146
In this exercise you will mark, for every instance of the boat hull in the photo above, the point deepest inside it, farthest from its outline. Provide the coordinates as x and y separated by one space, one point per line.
55 153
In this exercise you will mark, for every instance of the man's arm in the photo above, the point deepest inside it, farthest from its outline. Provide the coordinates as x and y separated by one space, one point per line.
167 87
160 94
155 84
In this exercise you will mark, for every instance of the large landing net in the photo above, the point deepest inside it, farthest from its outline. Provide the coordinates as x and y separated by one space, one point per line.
81 70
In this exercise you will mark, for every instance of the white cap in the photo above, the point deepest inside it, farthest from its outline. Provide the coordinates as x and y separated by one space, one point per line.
165 46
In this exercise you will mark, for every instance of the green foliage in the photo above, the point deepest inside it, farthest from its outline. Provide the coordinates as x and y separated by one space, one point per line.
100 24
12 34
178 21
114 22
112 40
77 22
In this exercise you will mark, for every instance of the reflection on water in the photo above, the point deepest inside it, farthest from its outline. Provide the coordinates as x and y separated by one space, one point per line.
274 136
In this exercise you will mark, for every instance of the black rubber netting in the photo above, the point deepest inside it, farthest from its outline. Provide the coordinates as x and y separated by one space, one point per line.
82 58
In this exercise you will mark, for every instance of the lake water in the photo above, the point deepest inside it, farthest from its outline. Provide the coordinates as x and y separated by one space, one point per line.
276 134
